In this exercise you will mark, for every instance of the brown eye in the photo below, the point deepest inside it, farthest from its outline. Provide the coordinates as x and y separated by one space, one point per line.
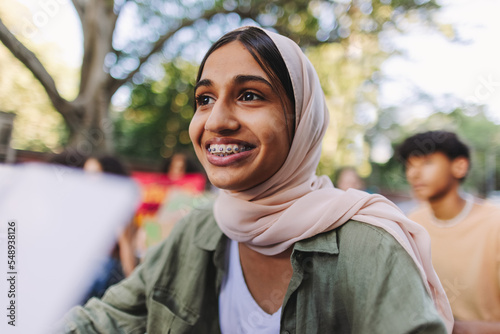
249 96
203 100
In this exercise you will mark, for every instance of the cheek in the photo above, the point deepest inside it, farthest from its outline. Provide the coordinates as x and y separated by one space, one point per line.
435 176
274 131
434 172
196 129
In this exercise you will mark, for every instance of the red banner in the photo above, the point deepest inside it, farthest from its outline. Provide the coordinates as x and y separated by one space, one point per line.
155 187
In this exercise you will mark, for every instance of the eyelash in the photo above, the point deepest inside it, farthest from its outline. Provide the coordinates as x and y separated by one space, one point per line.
200 98
255 95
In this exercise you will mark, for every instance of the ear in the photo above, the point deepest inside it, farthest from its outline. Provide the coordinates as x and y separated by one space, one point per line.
460 167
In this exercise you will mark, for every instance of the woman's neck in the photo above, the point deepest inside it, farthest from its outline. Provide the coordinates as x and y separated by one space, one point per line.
267 277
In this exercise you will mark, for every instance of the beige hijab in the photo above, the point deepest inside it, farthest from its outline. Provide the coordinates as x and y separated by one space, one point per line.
295 203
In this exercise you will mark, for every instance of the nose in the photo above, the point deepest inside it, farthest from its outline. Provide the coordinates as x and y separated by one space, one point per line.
412 173
222 118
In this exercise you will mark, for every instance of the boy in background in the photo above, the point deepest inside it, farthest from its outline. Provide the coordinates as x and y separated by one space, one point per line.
465 234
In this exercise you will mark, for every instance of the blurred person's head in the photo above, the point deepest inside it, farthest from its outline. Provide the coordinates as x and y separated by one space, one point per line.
436 162
92 165
179 164
70 158
348 177
105 164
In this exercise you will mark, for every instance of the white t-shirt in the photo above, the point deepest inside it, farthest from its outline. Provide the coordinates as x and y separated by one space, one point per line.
239 313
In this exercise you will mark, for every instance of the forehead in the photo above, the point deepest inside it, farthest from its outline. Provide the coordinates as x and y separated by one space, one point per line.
229 60
92 164
419 158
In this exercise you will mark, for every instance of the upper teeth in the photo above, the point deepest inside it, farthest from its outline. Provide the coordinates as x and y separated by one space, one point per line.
223 150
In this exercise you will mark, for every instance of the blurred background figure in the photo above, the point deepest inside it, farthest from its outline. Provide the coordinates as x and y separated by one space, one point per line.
348 177
187 184
122 260
69 158
167 197
105 164
181 169
464 231
177 166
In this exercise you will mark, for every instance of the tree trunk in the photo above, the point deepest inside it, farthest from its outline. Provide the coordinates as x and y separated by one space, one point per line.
93 133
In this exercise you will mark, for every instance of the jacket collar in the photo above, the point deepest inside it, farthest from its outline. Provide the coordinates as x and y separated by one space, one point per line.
321 243
208 235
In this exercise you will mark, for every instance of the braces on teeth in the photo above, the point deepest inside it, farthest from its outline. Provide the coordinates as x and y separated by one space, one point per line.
225 150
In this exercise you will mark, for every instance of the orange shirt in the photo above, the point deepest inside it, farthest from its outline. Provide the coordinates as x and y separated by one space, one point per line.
466 257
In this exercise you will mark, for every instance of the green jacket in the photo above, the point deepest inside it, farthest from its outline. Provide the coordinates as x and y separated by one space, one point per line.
355 279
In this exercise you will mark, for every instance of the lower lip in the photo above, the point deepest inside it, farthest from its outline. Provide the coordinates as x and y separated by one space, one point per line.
227 160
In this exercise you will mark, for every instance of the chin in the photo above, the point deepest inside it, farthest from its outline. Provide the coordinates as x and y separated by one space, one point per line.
230 186
420 196
223 183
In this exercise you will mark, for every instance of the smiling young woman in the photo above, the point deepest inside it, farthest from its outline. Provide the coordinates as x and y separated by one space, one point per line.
237 114
280 249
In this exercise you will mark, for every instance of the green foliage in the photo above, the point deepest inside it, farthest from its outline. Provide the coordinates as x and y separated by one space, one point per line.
345 71
157 120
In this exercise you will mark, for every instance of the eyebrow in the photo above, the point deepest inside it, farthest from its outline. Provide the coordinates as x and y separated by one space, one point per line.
239 79
203 83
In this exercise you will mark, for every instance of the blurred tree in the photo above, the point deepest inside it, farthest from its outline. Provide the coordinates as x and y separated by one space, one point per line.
347 69
114 56
37 125
156 122
349 73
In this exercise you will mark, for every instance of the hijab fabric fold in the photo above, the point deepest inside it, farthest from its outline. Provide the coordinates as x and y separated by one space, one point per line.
296 204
